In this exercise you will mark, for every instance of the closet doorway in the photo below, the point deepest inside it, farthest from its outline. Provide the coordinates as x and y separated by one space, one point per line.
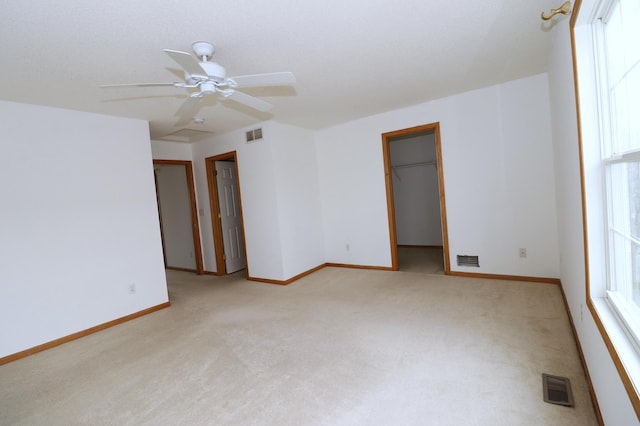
178 216
416 199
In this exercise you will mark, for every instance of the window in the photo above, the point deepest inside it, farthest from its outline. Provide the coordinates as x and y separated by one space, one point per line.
617 31
606 47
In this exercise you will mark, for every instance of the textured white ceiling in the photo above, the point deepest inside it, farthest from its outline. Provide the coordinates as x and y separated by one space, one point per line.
351 58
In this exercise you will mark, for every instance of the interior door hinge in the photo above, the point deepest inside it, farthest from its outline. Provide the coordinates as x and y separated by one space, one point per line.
224 257
219 215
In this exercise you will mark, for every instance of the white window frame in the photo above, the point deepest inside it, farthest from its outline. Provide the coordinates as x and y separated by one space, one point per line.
610 314
628 313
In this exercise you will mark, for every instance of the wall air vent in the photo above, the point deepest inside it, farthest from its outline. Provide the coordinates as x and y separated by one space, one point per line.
557 390
254 135
464 260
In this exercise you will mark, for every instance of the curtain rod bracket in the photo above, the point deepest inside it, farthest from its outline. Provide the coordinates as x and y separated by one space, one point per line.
565 9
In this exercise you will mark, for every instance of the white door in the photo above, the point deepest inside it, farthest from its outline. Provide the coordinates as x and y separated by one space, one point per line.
230 219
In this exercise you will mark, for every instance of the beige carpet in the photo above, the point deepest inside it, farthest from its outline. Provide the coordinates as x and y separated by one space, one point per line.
339 347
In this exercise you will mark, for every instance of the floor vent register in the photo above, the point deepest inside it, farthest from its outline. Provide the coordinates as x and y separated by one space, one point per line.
557 390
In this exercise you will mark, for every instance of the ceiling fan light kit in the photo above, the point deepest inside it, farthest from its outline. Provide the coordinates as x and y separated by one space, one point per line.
207 87
211 78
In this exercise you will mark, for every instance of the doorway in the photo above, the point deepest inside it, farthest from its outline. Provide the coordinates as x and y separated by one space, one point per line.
226 213
178 216
415 197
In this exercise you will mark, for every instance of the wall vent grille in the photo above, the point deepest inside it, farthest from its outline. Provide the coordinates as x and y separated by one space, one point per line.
557 390
254 135
464 260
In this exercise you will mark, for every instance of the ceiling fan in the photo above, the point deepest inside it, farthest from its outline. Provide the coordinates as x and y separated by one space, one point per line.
211 78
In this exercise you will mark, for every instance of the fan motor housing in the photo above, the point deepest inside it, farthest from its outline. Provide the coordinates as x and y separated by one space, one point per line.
208 87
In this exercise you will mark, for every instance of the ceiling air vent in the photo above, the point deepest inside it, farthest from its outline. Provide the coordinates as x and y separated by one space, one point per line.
254 135
464 260
186 135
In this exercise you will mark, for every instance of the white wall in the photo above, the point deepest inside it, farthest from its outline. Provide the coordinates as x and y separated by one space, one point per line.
175 209
258 195
79 223
612 398
350 170
416 198
497 162
280 200
498 177
299 206
167 150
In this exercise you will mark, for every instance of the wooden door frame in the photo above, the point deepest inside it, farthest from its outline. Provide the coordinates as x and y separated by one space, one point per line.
195 224
214 206
386 151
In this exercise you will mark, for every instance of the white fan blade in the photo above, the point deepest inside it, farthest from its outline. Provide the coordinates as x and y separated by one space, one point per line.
250 101
143 85
188 105
187 62
261 80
